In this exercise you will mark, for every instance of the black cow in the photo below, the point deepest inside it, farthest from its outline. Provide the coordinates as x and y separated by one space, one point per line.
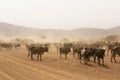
100 53
91 52
85 55
115 51
79 51
75 50
32 50
64 50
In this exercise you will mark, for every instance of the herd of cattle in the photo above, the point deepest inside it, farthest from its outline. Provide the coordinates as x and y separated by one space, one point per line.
84 52
9 45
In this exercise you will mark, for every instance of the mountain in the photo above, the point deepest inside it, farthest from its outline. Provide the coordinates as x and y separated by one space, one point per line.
114 30
14 31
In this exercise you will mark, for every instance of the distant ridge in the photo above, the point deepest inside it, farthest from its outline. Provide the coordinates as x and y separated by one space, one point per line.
8 30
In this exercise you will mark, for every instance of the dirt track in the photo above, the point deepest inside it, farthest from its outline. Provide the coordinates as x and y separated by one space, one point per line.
15 65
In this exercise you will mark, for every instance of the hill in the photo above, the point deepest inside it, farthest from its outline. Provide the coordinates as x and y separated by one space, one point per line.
11 31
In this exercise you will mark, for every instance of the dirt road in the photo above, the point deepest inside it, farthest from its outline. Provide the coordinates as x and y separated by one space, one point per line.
15 65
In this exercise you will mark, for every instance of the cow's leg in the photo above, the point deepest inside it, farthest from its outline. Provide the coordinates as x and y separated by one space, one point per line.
85 60
88 58
111 58
74 54
112 55
94 59
98 61
80 58
60 55
114 59
102 61
65 56
32 56
37 57
40 57
78 55
28 53
107 51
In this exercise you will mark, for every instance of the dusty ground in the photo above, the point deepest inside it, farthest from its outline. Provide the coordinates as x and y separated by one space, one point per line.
15 65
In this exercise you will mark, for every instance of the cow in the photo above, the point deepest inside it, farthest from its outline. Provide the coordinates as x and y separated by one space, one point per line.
75 50
99 54
17 45
91 52
115 51
112 46
6 46
64 50
39 50
85 55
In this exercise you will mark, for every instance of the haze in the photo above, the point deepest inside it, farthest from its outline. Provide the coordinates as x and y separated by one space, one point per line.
61 14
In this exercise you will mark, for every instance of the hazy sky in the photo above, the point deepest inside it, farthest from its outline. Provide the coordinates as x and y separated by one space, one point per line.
61 14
